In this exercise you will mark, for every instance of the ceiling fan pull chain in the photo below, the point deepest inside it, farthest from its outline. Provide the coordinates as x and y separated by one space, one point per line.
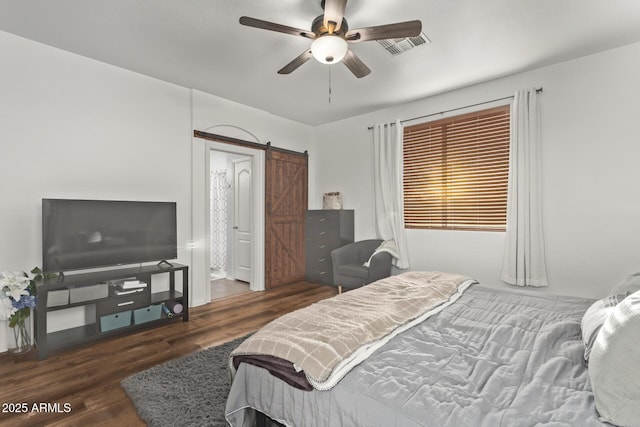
329 66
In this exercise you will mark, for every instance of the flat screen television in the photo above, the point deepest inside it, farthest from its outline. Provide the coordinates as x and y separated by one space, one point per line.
83 234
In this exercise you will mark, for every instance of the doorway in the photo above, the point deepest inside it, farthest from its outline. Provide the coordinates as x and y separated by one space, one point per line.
234 232
285 172
230 222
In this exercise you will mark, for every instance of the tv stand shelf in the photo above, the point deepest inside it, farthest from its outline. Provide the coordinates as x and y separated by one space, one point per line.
108 306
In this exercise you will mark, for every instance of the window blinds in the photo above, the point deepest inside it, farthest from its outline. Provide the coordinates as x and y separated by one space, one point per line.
456 172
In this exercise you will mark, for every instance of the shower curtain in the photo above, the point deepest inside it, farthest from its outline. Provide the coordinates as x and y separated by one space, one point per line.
219 207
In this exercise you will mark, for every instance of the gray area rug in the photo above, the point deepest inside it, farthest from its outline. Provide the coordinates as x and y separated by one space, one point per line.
189 391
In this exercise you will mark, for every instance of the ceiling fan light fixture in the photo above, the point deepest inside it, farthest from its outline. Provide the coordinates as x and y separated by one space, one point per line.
329 49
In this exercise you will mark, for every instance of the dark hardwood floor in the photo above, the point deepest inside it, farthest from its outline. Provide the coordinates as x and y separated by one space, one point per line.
87 379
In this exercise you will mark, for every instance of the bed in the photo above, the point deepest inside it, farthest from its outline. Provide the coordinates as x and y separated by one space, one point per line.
487 357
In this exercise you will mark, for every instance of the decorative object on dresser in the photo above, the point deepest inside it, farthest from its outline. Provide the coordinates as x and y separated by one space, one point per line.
332 200
325 230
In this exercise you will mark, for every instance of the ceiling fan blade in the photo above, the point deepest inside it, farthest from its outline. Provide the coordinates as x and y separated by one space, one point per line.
293 65
389 31
355 65
333 14
266 25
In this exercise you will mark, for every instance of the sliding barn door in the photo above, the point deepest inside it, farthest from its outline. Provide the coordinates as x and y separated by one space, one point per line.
285 205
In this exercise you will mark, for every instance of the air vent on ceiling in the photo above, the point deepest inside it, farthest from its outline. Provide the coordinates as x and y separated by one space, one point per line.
398 46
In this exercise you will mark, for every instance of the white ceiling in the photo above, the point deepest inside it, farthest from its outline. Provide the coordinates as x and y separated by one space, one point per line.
200 44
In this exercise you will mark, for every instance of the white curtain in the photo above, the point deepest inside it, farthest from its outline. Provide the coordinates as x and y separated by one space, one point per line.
387 188
524 259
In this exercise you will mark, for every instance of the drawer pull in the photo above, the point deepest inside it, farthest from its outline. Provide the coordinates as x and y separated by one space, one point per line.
125 303
323 219
323 233
322 272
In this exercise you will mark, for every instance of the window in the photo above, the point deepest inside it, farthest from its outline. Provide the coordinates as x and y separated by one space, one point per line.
456 172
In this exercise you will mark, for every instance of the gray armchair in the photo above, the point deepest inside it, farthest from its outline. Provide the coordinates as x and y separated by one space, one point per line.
348 264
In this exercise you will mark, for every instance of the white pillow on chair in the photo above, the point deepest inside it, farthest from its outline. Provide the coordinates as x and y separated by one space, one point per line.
386 246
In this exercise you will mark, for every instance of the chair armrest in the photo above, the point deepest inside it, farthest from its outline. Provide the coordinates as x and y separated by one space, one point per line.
380 266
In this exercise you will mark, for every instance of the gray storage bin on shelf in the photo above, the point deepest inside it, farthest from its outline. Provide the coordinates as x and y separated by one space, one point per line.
113 321
147 314
88 293
57 298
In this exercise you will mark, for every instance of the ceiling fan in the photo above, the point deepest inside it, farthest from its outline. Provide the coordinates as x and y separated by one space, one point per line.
330 34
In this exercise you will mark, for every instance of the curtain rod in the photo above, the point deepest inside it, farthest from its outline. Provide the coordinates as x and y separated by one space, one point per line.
539 89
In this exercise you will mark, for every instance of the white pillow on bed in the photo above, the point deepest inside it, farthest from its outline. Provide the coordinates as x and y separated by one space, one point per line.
628 286
593 319
614 365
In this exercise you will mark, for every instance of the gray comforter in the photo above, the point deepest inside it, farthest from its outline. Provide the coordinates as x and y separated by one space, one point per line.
494 358
327 339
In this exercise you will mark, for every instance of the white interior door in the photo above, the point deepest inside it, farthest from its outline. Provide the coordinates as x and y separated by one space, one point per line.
242 219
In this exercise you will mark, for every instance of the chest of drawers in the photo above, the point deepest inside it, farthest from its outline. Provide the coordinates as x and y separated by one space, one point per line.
325 230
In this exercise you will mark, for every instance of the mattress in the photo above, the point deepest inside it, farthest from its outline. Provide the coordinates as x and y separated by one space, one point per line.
493 358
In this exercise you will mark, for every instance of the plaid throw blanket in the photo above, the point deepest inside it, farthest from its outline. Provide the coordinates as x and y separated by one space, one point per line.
328 338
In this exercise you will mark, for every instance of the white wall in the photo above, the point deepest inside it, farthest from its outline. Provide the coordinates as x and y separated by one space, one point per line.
72 127
591 144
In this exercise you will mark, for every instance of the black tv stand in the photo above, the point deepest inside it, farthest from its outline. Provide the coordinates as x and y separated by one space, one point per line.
108 303
164 261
